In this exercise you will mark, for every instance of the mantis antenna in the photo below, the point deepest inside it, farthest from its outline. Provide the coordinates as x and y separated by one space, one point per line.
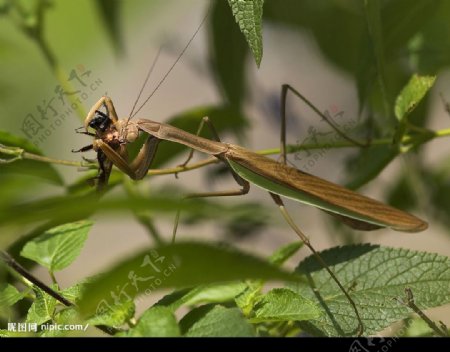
132 114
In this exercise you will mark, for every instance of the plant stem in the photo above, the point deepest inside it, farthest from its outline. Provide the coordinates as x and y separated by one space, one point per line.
19 153
10 262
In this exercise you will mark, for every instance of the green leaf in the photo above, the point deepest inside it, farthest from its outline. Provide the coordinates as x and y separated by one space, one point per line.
282 304
59 247
156 322
7 333
284 253
372 10
67 316
115 316
23 167
66 209
212 293
374 276
415 327
369 163
412 94
178 265
247 298
248 15
216 321
109 11
215 293
10 295
228 53
42 309
74 292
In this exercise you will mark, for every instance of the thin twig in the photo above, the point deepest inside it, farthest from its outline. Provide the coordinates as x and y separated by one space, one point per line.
14 265
409 302
20 154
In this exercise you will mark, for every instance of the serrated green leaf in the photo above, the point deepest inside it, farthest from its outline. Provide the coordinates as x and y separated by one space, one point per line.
10 295
59 247
156 322
42 309
180 265
247 298
374 277
115 316
281 304
412 94
74 292
216 321
248 15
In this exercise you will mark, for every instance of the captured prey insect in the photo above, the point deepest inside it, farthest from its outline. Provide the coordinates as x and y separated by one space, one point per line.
111 135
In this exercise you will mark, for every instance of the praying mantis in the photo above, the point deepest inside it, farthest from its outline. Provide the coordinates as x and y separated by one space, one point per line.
111 136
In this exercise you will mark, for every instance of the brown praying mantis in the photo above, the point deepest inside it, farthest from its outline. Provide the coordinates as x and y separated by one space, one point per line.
111 136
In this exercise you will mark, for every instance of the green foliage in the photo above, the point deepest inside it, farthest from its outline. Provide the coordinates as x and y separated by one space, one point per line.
59 247
156 322
176 265
248 15
216 321
282 304
9 295
375 276
393 50
412 94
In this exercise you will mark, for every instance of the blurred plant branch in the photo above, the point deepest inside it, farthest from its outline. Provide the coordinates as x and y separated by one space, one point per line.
32 23
407 142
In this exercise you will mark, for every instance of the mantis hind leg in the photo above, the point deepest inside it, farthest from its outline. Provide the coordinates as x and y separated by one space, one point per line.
279 202
285 88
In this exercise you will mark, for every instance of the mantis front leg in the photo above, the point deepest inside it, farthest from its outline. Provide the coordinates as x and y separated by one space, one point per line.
140 165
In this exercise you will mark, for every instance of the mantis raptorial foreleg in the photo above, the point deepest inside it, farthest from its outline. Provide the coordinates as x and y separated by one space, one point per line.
139 167
109 106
